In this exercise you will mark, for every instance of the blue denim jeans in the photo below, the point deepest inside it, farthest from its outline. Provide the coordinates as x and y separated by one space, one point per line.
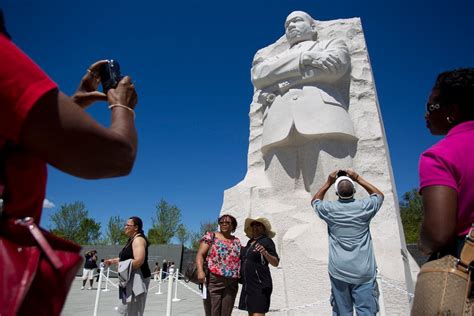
346 296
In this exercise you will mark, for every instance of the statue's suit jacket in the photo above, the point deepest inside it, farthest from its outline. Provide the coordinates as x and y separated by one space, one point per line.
305 96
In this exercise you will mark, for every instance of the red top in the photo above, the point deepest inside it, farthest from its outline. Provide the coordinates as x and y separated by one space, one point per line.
223 258
22 84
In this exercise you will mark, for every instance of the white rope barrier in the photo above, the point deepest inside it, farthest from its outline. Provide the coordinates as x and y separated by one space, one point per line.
107 281
190 288
171 278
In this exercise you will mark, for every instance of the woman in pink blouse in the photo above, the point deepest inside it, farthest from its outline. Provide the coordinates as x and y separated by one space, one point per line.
446 169
219 252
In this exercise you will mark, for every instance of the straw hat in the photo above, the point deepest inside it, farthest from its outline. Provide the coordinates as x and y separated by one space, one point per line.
262 220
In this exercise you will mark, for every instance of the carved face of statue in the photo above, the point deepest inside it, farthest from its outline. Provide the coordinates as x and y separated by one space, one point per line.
299 27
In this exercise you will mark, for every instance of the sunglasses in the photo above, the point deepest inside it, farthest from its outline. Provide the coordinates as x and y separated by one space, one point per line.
225 223
256 224
430 107
128 225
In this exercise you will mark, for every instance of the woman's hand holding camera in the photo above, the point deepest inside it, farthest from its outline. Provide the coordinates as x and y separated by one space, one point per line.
87 92
124 94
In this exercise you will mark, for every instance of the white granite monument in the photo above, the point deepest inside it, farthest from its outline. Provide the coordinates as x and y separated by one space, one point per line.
314 110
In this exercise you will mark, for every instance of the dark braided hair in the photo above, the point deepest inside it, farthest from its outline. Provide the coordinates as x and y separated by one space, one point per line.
138 221
457 87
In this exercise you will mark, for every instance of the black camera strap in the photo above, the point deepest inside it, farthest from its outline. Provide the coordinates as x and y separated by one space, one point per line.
3 28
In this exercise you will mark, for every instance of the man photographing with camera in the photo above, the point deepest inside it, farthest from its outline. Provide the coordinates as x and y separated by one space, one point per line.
352 266
90 265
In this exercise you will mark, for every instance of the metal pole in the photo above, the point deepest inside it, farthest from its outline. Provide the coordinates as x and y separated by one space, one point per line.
176 299
106 280
97 296
159 283
168 298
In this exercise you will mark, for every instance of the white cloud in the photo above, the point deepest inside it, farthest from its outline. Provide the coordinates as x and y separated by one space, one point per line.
48 204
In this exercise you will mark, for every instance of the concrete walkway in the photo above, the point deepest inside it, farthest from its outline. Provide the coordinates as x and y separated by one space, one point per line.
81 302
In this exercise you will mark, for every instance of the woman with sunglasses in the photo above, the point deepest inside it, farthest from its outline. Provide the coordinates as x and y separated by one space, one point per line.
220 253
133 295
256 278
446 169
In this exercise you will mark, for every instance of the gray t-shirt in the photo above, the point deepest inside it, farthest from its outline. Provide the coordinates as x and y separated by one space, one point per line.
351 256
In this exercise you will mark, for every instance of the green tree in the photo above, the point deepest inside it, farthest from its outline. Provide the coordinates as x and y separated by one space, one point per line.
89 232
182 234
165 223
205 227
411 213
115 234
71 222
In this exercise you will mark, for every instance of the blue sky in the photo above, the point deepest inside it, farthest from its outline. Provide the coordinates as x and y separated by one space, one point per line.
191 63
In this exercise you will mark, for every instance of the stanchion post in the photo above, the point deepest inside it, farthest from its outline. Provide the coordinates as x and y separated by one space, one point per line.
159 283
97 295
168 298
106 280
176 299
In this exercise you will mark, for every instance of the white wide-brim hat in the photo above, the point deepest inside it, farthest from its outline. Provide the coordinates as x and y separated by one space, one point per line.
262 220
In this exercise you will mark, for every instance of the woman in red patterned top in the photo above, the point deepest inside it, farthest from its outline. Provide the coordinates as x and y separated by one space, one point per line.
221 251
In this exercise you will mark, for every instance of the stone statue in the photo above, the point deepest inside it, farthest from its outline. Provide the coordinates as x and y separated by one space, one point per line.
315 110
302 91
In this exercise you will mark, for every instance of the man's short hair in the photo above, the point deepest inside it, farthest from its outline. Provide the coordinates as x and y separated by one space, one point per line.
345 188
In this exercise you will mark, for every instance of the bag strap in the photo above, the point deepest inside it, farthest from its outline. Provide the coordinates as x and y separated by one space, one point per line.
35 231
210 246
5 148
2 170
467 252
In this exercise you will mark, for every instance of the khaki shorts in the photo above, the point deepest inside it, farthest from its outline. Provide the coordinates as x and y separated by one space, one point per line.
87 274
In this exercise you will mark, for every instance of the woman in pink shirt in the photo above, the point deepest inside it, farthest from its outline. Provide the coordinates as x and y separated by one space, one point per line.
447 168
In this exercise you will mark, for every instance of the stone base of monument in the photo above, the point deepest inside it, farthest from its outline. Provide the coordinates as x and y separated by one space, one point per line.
301 282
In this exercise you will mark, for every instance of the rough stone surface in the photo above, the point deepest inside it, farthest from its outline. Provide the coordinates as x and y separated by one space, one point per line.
301 282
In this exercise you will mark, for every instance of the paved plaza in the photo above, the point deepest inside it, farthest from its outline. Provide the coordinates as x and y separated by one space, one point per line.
81 302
